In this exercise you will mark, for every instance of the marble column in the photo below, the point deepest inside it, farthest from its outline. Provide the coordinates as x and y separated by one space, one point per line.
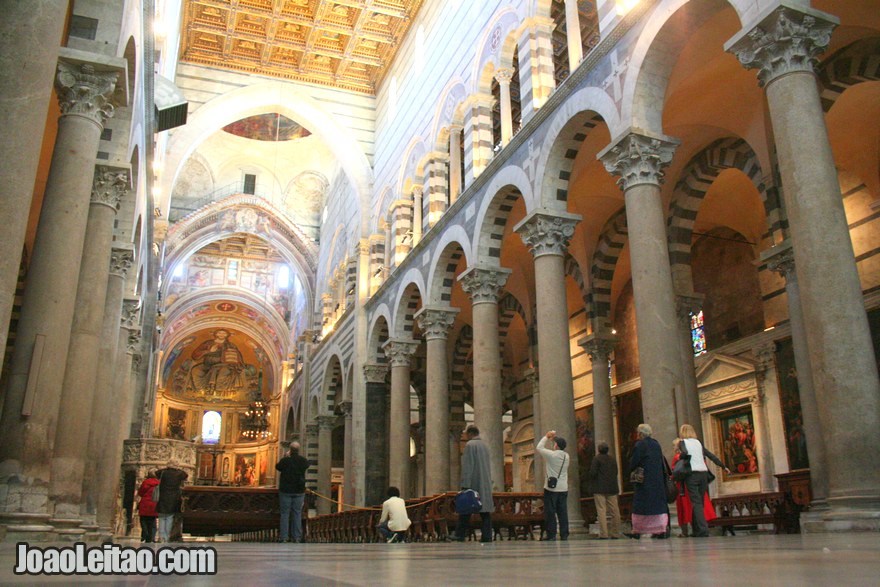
104 403
599 346
326 424
33 393
484 284
503 76
72 436
417 194
399 353
573 35
435 323
765 356
638 158
455 131
688 404
781 260
546 233
31 29
376 447
455 431
531 377
783 46
347 452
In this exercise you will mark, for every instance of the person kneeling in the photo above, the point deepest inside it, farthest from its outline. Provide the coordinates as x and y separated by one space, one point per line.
394 522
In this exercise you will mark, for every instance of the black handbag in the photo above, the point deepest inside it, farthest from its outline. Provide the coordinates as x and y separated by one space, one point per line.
552 481
671 489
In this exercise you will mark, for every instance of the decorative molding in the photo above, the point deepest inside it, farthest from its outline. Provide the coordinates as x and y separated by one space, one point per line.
131 312
788 39
134 341
436 322
547 233
375 372
400 352
82 91
483 284
109 186
121 260
638 158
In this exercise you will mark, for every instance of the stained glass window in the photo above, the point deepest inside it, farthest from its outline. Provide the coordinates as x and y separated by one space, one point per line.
698 333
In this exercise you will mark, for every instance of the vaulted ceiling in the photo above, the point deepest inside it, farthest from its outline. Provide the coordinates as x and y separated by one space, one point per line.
346 44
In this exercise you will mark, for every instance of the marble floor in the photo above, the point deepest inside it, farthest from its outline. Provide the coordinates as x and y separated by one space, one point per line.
830 559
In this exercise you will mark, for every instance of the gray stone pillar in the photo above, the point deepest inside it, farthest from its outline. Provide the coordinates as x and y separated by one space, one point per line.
72 433
546 233
104 402
454 162
600 346
435 323
503 76
531 376
417 194
326 424
455 431
33 393
484 285
376 446
688 404
399 353
766 360
573 34
348 472
781 260
29 54
783 46
638 159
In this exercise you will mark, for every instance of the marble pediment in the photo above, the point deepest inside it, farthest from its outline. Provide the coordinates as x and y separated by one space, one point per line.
718 369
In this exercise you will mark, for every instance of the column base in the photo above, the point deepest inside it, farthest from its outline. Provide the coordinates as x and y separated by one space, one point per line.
577 528
862 515
68 529
23 527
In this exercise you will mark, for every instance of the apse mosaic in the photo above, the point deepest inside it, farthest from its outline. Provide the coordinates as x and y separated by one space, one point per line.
218 365
267 127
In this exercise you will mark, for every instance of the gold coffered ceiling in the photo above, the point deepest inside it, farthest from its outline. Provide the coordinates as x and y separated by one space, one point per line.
346 44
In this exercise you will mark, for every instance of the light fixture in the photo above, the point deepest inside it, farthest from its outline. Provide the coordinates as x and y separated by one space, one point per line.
255 425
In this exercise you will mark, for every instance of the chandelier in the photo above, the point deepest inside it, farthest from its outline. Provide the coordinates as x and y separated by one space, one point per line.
255 425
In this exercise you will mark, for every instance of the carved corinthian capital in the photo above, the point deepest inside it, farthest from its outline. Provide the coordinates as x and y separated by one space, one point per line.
504 75
375 373
84 92
400 352
785 40
484 284
599 346
134 342
638 158
547 233
131 312
780 259
436 322
109 185
121 260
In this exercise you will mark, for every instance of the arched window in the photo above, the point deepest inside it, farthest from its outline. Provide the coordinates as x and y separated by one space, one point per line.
211 427
698 333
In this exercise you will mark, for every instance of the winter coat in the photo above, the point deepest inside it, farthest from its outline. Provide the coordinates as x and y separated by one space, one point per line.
476 472
147 507
649 498
170 492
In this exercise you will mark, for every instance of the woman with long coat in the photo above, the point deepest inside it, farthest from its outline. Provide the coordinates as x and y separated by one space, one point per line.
170 499
650 512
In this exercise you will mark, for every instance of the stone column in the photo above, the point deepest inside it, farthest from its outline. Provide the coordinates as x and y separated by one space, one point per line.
784 46
638 159
33 393
781 260
765 356
531 376
325 454
376 447
484 285
503 76
399 353
599 346
348 466
454 162
435 323
32 29
573 34
688 404
104 402
417 193
72 433
310 448
455 431
546 234
543 80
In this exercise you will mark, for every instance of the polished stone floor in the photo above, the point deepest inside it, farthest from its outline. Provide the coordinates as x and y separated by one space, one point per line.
830 559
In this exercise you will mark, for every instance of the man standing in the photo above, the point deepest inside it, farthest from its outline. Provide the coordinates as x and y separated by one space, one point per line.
603 474
476 474
291 492
556 462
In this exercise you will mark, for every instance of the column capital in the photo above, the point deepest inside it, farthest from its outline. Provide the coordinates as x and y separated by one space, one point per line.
456 128
345 408
83 91
547 233
326 422
435 322
131 311
109 185
687 303
786 38
375 372
765 356
638 157
503 75
134 341
121 260
484 284
400 351
780 259
599 345
418 189
531 375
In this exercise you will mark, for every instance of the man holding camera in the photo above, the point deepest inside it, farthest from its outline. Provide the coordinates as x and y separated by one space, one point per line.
556 462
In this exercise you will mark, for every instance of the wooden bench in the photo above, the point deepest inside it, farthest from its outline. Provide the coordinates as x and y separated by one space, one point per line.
753 509
250 513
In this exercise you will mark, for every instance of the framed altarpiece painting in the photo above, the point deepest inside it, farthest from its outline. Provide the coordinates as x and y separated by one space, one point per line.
735 430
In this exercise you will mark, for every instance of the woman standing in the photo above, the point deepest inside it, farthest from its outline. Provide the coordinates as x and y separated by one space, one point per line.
147 508
683 503
697 481
170 498
650 511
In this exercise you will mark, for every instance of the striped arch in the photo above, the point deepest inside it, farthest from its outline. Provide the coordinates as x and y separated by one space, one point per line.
856 63
378 336
443 276
494 223
508 307
409 304
573 269
562 155
333 391
695 181
611 242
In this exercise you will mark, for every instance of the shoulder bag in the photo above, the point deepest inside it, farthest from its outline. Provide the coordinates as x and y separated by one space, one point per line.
683 465
552 481
468 502
671 489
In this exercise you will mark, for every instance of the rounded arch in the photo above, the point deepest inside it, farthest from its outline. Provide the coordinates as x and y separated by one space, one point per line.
262 98
448 112
333 388
508 185
453 246
378 334
854 64
611 242
493 45
289 425
409 298
413 168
